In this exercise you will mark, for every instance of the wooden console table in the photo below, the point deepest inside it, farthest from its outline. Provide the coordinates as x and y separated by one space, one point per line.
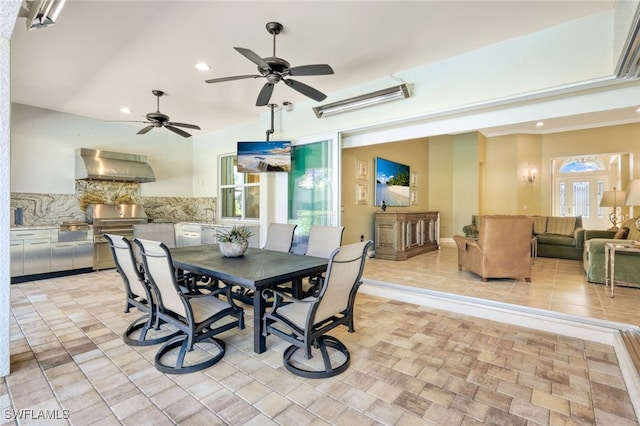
399 236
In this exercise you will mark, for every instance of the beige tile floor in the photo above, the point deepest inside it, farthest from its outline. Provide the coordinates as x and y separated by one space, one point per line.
557 285
410 364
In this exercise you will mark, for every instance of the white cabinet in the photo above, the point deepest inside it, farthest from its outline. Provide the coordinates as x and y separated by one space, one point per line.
191 234
37 256
188 234
82 254
61 256
39 251
17 258
30 251
209 233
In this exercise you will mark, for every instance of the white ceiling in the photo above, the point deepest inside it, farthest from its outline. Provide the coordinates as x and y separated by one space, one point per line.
103 55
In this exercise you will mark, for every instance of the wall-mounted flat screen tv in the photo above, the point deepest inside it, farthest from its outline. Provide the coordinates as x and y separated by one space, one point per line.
264 156
392 183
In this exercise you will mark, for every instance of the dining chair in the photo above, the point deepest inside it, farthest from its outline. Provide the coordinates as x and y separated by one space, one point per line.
199 316
305 322
323 240
280 237
145 330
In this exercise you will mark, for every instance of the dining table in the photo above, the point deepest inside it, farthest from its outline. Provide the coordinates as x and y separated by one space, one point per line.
257 270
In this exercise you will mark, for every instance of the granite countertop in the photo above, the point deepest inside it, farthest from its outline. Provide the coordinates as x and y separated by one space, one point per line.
37 227
32 227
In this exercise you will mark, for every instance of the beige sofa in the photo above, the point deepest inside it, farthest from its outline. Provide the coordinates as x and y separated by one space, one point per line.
559 237
627 264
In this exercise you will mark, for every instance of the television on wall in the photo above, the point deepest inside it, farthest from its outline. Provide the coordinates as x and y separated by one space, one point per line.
392 183
264 156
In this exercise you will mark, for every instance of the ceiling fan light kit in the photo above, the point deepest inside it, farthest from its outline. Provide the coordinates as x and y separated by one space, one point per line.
374 98
276 69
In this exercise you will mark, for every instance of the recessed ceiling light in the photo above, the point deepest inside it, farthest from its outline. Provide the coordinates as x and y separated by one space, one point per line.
202 66
125 110
540 124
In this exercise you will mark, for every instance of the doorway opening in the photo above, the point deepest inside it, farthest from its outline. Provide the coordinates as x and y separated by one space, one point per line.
580 181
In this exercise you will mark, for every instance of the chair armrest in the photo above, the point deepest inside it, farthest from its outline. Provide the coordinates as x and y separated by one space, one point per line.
597 233
470 230
578 234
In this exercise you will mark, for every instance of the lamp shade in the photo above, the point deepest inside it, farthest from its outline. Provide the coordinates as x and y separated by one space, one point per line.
633 193
612 198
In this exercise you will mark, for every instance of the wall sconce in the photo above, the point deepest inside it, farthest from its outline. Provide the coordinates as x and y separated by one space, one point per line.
530 174
614 199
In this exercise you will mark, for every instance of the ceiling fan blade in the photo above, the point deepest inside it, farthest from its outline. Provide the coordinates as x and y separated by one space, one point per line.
317 69
177 131
309 91
235 77
265 94
145 129
188 126
253 57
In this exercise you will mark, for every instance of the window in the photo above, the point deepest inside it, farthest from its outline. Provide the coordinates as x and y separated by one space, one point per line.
581 198
239 192
600 192
582 164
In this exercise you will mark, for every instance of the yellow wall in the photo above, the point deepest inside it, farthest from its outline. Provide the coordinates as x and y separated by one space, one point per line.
624 138
359 219
467 174
441 179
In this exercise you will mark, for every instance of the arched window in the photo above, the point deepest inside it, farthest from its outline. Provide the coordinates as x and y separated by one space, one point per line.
581 164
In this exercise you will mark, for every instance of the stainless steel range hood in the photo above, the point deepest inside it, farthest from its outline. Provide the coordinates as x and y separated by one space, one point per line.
92 164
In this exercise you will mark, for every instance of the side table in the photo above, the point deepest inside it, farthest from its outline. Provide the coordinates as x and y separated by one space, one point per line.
610 250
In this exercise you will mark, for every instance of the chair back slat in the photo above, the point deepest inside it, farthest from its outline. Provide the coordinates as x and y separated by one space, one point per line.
159 269
342 279
122 252
323 240
280 237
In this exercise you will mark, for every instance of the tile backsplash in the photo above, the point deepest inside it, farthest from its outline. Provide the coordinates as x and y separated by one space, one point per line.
52 209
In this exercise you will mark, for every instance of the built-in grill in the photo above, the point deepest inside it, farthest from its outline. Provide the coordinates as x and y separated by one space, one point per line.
111 219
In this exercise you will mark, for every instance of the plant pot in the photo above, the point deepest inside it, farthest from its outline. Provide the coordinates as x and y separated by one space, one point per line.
232 249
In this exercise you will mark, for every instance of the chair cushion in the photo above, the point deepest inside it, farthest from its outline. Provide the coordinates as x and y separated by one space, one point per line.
205 307
297 312
539 224
556 240
621 234
561 225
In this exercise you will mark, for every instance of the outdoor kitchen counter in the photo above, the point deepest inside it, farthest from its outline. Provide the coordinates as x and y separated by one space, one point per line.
33 227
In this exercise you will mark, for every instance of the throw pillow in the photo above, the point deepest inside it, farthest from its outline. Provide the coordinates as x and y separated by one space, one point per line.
621 234
561 225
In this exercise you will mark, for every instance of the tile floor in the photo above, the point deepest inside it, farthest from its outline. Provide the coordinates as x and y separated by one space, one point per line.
410 364
556 284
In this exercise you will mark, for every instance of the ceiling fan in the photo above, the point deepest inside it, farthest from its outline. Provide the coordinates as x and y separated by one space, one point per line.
158 119
276 69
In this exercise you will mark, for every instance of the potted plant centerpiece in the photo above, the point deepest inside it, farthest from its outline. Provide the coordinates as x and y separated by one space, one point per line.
234 243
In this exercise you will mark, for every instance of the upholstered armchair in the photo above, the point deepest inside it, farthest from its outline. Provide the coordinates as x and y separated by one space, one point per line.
502 248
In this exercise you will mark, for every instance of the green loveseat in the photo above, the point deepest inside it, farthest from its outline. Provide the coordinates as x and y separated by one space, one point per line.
559 237
627 264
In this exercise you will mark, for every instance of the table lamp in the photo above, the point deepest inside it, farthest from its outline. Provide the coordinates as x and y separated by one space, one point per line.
613 199
633 197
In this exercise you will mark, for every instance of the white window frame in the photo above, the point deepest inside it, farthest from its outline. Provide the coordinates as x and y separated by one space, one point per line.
243 186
